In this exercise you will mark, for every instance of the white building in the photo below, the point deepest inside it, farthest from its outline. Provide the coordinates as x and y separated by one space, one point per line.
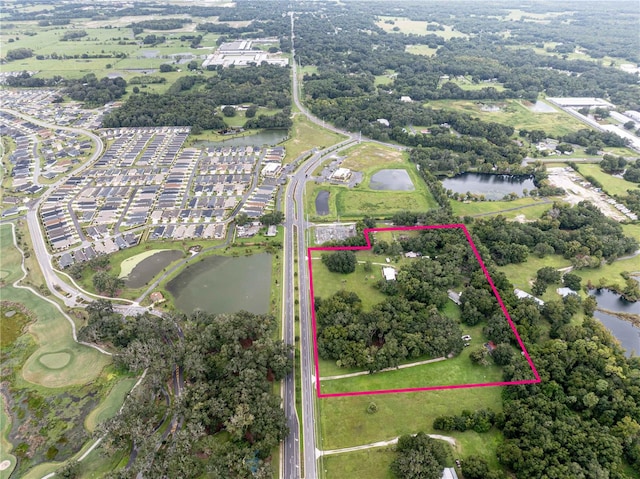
341 174
389 273
271 169
523 294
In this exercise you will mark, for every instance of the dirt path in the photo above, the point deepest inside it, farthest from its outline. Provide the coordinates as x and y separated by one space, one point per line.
572 182
390 442
363 373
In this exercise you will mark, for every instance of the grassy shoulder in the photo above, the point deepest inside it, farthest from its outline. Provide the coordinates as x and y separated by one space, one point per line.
305 135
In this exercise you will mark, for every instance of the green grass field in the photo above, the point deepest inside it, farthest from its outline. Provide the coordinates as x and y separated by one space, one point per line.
455 371
52 332
467 84
611 272
305 135
531 208
111 403
521 274
326 283
423 50
345 421
367 464
513 113
416 27
610 184
368 158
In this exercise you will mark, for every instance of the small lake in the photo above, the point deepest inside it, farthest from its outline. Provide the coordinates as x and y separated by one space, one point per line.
493 187
614 302
624 331
393 180
264 137
148 268
222 284
322 203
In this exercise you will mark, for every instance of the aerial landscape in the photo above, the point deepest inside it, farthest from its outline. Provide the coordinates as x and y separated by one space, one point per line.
350 239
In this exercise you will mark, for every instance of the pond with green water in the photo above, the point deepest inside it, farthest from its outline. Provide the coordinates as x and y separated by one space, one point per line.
222 284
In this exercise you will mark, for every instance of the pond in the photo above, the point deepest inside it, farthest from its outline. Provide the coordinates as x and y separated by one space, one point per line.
624 331
322 203
148 268
394 180
493 187
263 137
222 284
614 302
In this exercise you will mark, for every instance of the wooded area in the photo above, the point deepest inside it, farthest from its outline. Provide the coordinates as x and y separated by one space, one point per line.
221 368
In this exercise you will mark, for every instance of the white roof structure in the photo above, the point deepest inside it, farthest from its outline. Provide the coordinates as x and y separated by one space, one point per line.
579 102
523 294
341 174
565 292
271 169
389 273
449 473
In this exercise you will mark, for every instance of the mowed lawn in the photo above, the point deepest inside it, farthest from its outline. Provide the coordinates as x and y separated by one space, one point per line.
354 203
374 463
610 184
305 135
110 404
326 283
345 421
521 274
59 361
366 464
455 371
531 208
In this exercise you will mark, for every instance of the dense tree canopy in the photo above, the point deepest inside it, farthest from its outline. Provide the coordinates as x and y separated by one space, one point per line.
228 363
419 457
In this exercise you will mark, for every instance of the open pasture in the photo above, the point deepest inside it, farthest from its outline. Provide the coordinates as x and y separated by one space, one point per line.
514 113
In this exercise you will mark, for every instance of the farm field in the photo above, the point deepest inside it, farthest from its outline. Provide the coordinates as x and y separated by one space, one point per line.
127 57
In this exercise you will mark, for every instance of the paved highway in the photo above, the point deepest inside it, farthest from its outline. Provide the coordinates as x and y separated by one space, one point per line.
295 228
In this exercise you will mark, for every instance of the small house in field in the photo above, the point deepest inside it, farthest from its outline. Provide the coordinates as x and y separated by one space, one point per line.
156 297
389 273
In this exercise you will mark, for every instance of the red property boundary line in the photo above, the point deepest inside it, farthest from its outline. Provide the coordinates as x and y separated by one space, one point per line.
430 388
